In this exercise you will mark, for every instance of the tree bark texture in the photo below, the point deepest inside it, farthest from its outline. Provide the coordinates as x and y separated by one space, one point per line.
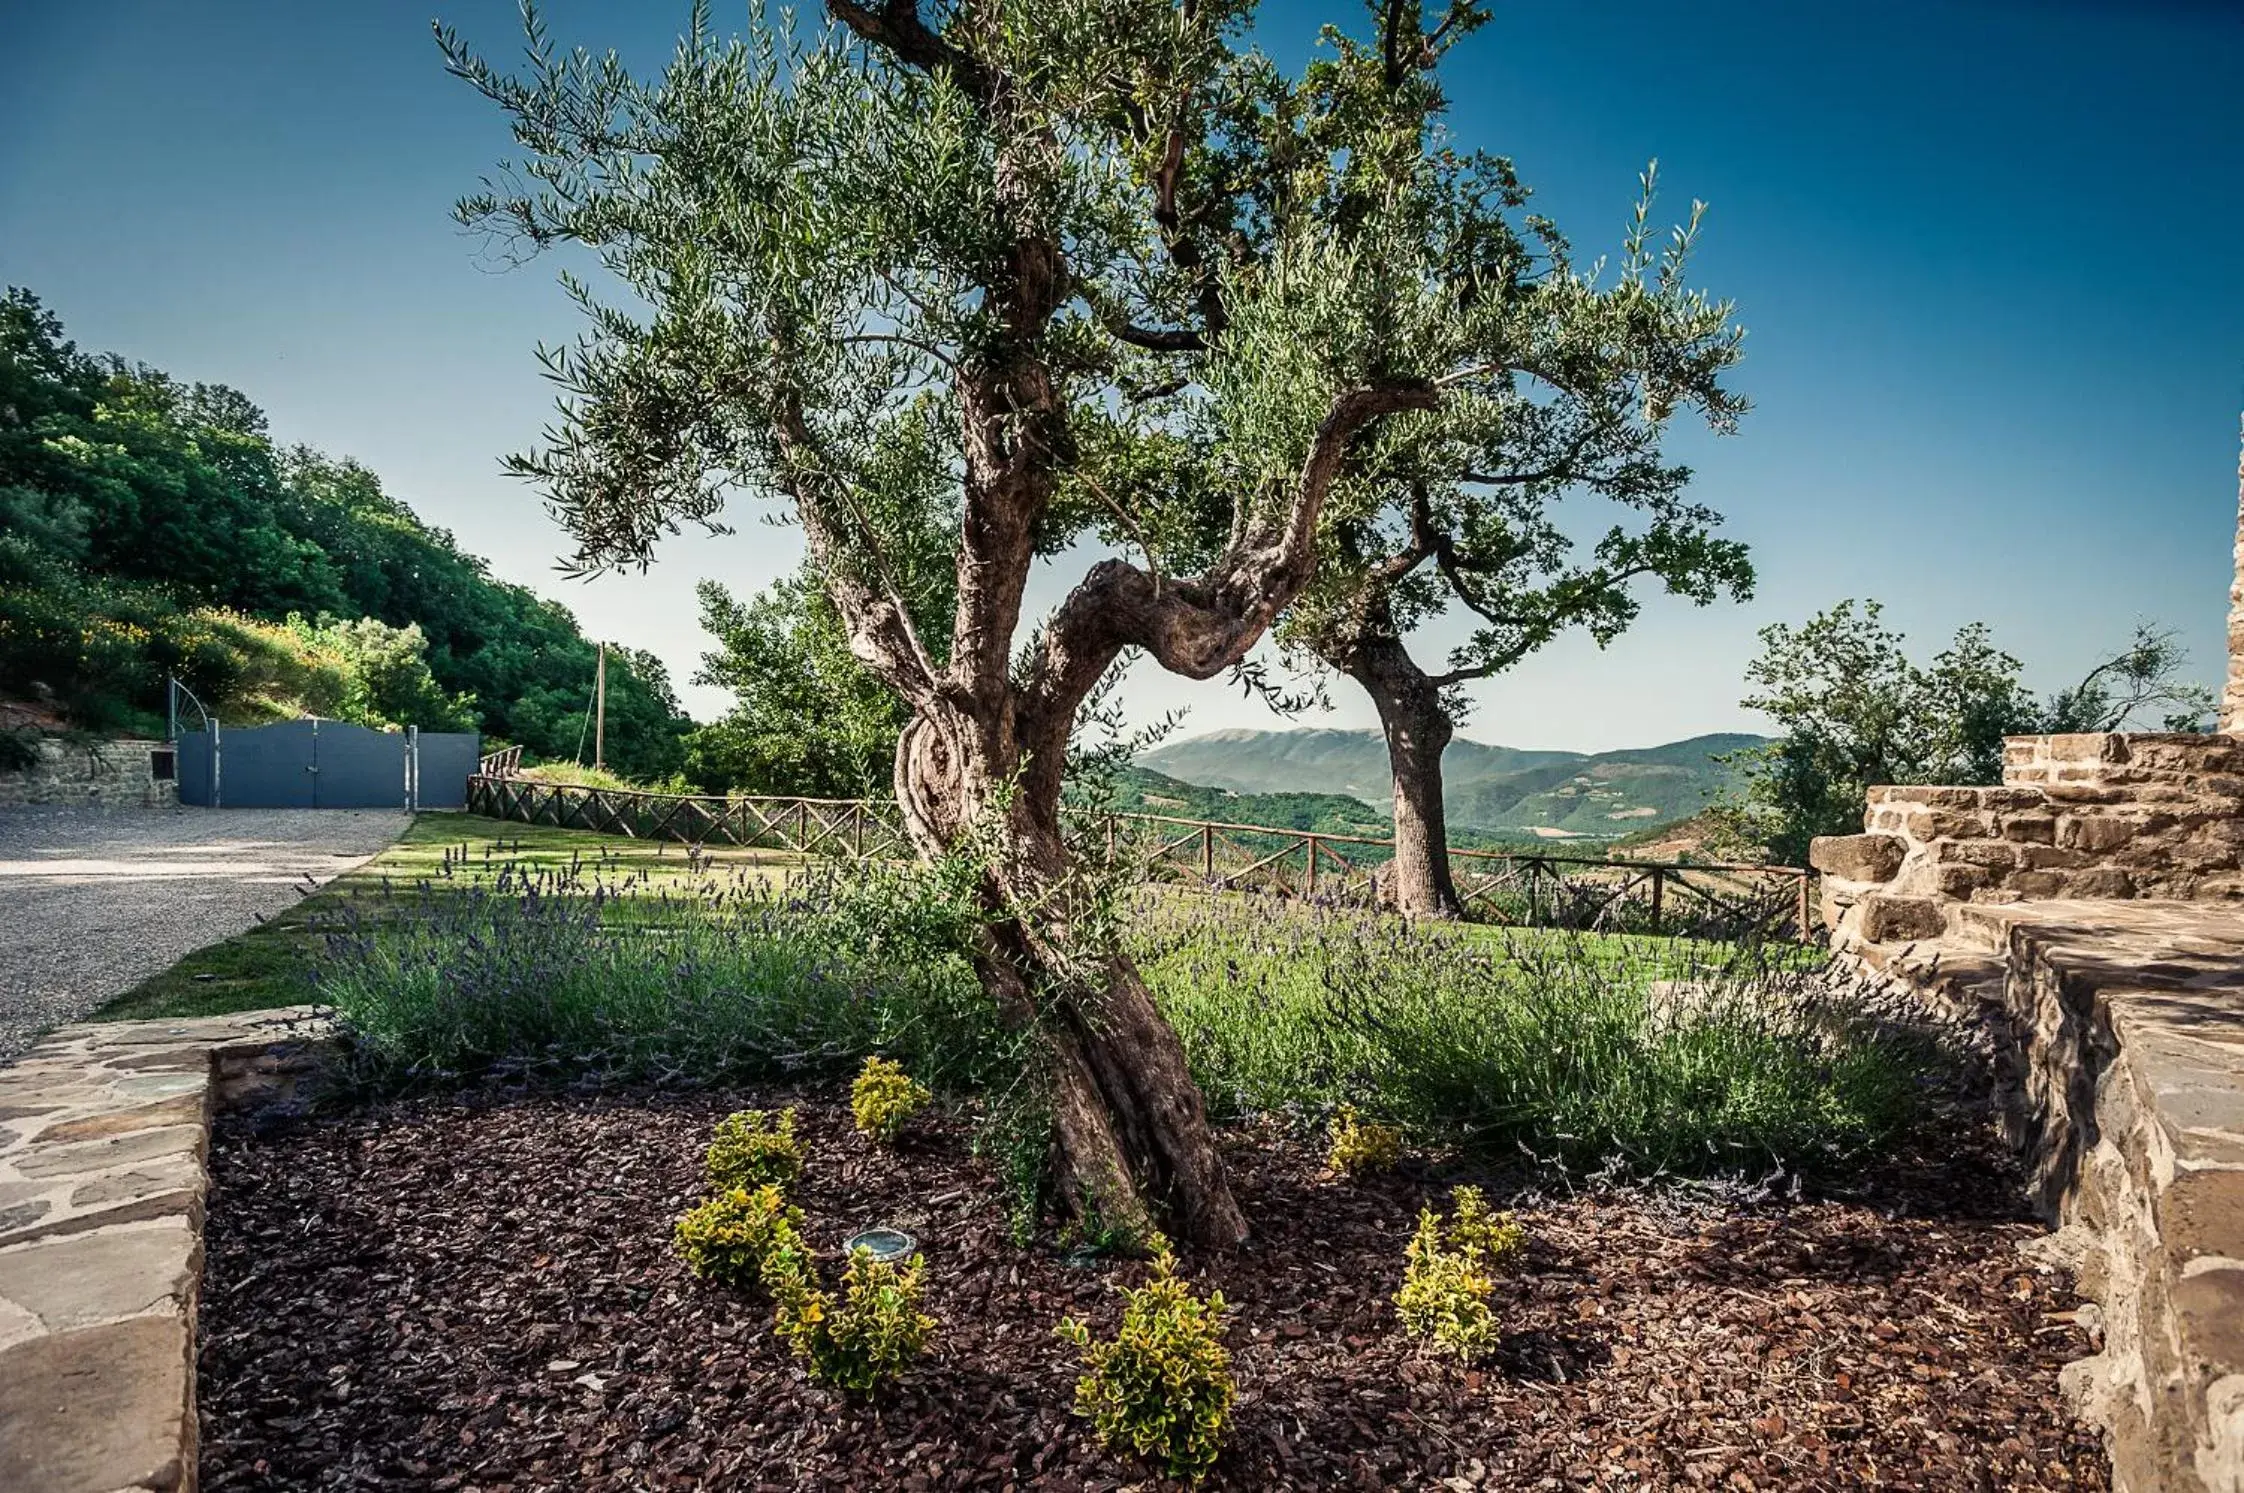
1130 1123
1417 730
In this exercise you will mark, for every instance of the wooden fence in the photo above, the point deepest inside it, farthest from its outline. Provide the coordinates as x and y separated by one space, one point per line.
1521 887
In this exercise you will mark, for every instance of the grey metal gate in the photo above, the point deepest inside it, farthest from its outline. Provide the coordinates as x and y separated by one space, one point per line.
443 761
315 764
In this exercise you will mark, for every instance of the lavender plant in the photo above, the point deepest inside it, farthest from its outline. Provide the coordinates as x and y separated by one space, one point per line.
1662 1054
538 974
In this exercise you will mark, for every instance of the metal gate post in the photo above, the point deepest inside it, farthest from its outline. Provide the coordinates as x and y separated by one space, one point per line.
413 769
217 799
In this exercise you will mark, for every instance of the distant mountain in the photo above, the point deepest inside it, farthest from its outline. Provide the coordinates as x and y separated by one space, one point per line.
1495 789
1141 790
1316 760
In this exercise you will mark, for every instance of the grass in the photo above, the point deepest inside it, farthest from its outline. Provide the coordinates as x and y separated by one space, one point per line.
271 964
1660 1054
471 947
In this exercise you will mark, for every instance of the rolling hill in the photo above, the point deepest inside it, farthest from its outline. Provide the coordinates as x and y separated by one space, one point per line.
1495 789
1141 790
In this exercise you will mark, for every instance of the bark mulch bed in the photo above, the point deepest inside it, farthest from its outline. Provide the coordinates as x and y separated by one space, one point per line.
454 1294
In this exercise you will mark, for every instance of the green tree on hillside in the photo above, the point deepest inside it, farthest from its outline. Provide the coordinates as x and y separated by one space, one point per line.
807 717
1854 712
141 516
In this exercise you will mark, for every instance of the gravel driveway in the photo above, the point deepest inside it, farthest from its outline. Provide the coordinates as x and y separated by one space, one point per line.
94 901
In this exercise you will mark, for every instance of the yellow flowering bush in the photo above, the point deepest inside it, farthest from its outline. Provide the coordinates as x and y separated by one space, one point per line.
733 1237
1449 1273
866 1338
753 1148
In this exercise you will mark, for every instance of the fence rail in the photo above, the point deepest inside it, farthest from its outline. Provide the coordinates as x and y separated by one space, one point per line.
1522 887
503 763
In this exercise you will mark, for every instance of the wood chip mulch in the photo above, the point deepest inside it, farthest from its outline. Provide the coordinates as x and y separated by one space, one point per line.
480 1294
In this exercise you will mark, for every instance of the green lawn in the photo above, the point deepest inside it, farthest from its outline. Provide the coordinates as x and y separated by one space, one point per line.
270 964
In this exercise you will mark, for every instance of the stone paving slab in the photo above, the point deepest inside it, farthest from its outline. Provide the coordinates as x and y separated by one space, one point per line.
2126 1021
104 1132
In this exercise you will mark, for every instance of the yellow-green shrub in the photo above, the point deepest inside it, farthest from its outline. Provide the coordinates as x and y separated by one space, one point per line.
883 1098
752 1149
1360 1145
869 1336
1496 1235
733 1237
1162 1388
1449 1273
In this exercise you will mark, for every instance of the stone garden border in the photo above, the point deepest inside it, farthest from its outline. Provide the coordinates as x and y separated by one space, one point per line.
104 1137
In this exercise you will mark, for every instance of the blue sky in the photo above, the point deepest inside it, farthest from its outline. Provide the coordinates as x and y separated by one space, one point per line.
1990 254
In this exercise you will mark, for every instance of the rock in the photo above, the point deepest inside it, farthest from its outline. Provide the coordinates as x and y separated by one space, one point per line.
1869 857
99 1410
1889 919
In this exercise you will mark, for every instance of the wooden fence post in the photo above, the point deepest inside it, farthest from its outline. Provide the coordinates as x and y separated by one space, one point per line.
1659 880
1800 910
1311 887
1207 852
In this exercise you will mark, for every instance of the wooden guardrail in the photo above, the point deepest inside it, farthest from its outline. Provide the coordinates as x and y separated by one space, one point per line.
503 763
1522 887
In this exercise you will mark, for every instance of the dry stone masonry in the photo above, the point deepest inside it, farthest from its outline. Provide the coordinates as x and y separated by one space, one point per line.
2088 916
123 773
2102 815
103 1133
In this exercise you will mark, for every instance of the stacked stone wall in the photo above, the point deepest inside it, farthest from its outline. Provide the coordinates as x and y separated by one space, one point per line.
2100 815
107 774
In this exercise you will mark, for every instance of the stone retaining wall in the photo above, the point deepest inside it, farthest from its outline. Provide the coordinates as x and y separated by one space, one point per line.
2130 1110
104 1130
2102 815
2088 916
77 770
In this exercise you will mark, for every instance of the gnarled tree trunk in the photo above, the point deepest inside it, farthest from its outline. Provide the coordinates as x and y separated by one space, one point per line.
1418 730
1130 1124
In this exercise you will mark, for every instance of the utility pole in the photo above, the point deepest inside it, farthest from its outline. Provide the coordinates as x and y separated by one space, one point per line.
600 711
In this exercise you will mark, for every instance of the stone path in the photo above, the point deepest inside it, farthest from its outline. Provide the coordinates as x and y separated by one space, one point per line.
103 1133
98 900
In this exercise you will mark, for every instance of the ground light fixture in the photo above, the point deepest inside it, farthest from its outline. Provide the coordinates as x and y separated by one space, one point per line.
882 1244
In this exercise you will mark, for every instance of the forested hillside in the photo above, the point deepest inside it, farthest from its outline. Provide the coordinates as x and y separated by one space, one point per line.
150 526
1502 791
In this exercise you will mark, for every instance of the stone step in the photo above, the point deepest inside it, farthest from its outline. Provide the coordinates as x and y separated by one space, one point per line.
1984 927
101 1212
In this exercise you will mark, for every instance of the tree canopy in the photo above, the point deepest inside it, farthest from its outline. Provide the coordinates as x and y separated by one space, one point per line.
807 717
964 288
1854 711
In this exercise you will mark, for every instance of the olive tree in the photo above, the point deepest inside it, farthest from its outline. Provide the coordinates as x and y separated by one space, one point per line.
985 282
1463 509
